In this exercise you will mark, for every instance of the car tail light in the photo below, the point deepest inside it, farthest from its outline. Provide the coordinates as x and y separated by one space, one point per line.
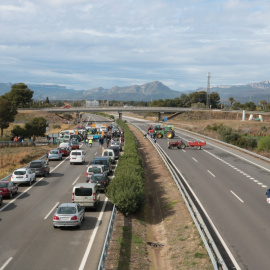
94 196
74 218
43 169
87 174
104 182
26 176
5 190
12 176
72 197
55 218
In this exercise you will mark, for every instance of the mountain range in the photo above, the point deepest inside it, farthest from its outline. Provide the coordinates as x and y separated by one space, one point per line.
150 91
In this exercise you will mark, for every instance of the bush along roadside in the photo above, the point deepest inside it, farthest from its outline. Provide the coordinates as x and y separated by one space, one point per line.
127 190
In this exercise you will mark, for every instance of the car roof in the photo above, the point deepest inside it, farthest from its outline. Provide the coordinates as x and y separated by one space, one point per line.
21 169
39 160
85 185
98 174
96 165
101 157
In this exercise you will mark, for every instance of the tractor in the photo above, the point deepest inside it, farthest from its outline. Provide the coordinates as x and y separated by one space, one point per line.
167 132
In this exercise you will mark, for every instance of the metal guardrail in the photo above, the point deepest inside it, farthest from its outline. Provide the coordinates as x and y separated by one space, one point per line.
103 257
214 254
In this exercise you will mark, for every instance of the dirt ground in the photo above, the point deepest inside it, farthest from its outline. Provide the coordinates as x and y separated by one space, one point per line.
162 235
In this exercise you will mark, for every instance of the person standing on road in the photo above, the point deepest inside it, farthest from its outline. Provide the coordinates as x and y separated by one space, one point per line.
90 142
268 193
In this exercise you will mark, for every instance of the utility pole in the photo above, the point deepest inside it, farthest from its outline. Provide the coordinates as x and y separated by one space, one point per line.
208 90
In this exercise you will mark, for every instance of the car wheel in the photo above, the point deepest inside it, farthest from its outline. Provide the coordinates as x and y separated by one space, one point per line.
55 227
79 225
30 183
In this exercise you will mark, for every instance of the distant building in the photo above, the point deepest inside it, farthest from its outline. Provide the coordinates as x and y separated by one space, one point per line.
92 103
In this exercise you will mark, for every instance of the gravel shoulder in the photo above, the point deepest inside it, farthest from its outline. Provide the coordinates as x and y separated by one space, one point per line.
162 235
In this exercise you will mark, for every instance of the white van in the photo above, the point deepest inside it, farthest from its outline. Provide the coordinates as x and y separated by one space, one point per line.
77 156
66 145
109 153
86 194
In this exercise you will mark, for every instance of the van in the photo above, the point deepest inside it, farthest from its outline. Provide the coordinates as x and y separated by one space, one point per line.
109 153
77 156
93 169
116 150
66 145
86 194
106 161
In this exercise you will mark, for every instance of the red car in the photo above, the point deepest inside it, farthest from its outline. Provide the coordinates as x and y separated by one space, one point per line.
65 107
7 189
65 151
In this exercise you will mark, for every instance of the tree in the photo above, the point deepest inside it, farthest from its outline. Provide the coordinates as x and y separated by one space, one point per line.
214 99
20 95
37 126
7 113
47 100
249 106
263 103
231 100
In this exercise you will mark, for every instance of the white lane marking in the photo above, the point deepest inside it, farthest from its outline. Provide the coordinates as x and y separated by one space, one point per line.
236 196
256 181
95 153
183 150
76 180
211 173
6 263
195 159
51 210
88 249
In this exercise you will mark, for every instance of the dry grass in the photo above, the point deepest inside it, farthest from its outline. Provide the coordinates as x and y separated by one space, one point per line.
17 157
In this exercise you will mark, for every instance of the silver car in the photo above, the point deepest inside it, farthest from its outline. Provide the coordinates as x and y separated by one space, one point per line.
55 155
68 215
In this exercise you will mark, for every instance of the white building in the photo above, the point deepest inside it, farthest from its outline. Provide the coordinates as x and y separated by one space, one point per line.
92 103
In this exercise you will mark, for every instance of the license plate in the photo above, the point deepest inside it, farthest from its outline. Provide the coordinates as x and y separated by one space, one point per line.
19 177
73 158
64 219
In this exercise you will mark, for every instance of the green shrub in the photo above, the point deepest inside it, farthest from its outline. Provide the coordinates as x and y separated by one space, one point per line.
228 135
264 144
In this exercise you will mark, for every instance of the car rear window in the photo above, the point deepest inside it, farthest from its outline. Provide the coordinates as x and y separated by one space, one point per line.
100 161
66 210
20 172
95 179
83 192
76 153
3 185
54 152
35 164
94 170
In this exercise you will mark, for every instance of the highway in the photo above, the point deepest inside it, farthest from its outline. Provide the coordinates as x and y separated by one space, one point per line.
231 187
229 184
29 241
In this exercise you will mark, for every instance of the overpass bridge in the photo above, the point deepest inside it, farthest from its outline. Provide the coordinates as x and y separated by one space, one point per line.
120 110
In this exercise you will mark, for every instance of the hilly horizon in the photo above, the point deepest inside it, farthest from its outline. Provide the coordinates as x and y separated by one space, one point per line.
254 92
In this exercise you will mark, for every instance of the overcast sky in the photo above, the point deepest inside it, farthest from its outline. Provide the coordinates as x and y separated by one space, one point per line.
84 44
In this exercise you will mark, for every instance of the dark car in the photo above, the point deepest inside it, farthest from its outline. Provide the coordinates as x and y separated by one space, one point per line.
7 189
65 151
116 150
74 145
102 180
40 167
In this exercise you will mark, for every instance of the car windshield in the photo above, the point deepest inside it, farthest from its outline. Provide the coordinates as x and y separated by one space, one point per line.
3 185
20 172
35 164
54 152
76 153
66 210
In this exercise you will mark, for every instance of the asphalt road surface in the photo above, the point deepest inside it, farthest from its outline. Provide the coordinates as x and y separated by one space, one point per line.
231 186
28 239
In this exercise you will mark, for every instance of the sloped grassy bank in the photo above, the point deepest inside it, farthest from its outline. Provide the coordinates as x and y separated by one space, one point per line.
127 189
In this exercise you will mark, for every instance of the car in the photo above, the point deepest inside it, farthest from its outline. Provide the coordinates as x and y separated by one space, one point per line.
109 153
8 188
40 167
65 107
77 156
64 150
104 129
86 194
102 180
116 150
74 145
68 215
55 155
117 142
106 161
92 169
23 176
65 144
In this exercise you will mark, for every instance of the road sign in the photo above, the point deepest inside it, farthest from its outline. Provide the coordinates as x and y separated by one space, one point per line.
165 119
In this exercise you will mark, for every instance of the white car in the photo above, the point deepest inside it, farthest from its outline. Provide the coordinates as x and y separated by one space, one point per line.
77 156
23 176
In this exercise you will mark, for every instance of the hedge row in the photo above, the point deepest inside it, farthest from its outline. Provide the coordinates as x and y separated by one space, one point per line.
127 190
